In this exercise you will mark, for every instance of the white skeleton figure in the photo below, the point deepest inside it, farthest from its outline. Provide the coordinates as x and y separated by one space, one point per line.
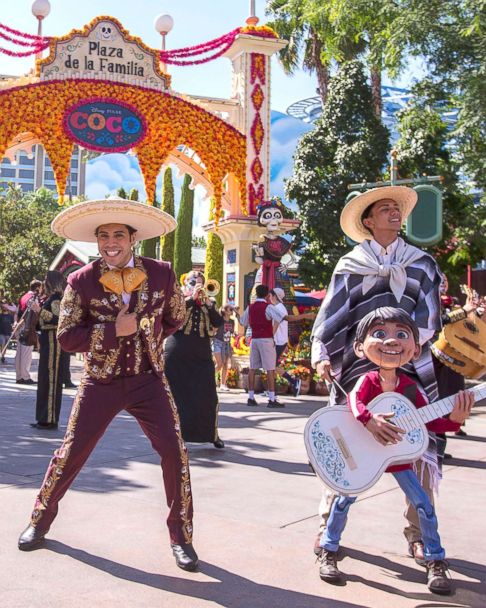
271 218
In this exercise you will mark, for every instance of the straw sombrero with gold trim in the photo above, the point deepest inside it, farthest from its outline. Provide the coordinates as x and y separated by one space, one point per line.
351 223
79 222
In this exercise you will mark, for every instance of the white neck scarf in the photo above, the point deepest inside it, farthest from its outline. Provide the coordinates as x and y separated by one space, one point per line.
363 261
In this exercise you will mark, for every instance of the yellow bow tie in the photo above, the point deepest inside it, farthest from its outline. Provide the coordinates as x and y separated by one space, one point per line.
127 280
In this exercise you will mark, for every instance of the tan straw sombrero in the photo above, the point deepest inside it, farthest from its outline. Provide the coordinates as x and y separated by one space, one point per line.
351 223
79 222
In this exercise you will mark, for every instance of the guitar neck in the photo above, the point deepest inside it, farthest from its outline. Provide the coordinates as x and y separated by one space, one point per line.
441 408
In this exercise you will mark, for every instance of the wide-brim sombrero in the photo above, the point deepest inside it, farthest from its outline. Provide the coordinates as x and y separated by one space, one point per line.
351 223
79 222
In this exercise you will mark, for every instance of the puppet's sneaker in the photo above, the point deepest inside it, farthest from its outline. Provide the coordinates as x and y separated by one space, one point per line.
328 570
438 577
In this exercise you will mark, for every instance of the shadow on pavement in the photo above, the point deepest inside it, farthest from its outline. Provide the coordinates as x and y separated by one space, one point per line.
473 590
463 462
228 589
466 438
233 453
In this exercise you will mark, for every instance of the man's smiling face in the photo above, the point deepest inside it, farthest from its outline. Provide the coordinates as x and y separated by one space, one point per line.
115 244
384 215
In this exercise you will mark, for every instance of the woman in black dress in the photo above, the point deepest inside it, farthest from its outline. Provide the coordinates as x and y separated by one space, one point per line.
189 365
49 385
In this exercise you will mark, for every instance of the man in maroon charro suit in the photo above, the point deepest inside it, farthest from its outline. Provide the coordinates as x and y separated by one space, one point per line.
118 310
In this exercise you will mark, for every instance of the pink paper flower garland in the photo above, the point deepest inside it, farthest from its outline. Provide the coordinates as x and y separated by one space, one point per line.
37 44
206 51
217 47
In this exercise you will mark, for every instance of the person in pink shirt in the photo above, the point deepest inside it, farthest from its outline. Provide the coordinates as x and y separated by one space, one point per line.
389 338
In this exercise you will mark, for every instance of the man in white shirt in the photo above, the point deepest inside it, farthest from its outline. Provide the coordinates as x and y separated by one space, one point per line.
260 316
281 332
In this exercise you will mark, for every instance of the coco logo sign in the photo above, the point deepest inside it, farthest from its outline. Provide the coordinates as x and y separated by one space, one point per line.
104 125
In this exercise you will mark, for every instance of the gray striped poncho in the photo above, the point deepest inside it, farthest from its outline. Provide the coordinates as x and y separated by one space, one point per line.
346 304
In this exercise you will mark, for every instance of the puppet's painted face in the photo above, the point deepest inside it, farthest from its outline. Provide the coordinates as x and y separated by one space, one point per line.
191 282
271 218
388 345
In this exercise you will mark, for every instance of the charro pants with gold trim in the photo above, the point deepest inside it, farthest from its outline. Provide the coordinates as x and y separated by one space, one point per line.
49 385
148 399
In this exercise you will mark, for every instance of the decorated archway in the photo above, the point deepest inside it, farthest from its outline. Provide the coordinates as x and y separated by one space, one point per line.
105 90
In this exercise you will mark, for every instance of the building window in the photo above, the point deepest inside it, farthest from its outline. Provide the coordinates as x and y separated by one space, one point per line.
25 160
29 173
74 163
231 256
74 177
27 187
48 175
8 172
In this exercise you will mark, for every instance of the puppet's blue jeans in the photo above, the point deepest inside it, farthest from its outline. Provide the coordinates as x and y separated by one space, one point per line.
410 484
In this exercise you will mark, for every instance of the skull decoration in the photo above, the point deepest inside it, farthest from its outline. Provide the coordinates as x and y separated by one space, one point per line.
106 32
270 214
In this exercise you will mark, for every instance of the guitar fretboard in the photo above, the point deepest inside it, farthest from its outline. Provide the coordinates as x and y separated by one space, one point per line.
441 408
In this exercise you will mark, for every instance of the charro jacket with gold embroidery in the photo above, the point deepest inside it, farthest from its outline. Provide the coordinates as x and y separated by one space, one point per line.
88 314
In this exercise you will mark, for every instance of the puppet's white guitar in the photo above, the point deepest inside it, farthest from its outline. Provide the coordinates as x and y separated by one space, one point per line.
348 458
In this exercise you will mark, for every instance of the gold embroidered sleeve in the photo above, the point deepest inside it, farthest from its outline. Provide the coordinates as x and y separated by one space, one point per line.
71 311
76 334
177 304
45 316
175 308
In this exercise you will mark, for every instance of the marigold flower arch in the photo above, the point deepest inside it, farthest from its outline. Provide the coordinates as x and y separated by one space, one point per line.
39 109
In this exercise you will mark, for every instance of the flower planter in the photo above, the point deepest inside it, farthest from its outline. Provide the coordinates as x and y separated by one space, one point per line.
243 383
281 389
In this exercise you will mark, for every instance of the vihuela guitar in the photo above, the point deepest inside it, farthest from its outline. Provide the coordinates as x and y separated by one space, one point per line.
347 457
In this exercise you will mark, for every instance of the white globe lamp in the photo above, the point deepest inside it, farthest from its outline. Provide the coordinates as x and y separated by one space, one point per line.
163 24
41 8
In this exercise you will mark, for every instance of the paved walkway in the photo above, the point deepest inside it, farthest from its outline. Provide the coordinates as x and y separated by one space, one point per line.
255 523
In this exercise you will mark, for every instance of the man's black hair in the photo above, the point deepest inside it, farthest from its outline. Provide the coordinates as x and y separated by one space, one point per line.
129 228
383 314
35 285
261 291
367 212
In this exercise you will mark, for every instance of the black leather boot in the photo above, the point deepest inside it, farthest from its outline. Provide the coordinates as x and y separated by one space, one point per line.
31 538
185 556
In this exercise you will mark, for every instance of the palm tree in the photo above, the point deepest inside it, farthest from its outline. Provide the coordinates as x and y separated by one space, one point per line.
305 40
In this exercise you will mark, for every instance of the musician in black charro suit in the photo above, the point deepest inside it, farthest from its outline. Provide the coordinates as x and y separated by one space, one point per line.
49 383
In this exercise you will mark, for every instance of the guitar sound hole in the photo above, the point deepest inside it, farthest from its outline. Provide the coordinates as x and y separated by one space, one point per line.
471 327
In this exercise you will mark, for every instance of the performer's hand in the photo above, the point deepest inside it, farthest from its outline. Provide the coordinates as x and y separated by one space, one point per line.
323 369
126 322
462 406
383 431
